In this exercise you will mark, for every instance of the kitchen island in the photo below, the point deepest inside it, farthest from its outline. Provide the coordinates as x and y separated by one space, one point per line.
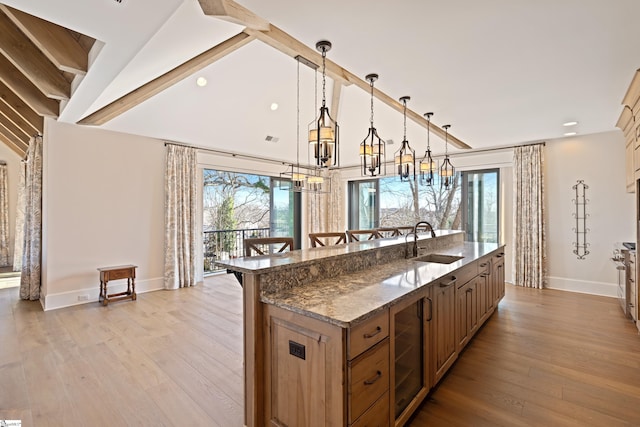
358 334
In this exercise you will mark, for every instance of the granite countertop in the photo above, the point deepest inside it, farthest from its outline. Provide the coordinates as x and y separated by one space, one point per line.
352 298
263 263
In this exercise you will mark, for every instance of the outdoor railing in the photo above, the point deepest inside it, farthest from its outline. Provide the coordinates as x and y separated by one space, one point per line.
227 244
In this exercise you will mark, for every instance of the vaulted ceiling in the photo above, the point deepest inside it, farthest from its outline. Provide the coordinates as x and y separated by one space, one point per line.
38 63
501 72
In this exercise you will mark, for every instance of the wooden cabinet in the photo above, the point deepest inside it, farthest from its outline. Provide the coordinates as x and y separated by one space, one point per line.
629 123
466 312
486 301
497 277
444 321
368 379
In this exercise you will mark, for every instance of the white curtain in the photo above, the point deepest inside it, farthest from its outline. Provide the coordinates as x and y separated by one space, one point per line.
30 277
19 234
325 210
4 217
180 217
529 236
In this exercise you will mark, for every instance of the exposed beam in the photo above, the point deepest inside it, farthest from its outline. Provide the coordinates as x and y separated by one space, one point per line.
16 120
335 100
12 142
166 80
233 12
26 90
12 101
13 128
54 41
31 62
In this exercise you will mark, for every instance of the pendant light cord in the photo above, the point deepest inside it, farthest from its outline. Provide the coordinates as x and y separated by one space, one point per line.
371 84
404 113
324 82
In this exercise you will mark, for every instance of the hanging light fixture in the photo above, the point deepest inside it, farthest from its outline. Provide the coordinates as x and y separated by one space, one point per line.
427 165
298 179
405 157
323 131
372 148
447 171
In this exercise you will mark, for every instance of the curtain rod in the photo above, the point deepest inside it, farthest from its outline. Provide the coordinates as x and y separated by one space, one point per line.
239 155
508 147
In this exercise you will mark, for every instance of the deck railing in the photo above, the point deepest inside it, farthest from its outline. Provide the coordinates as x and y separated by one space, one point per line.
227 244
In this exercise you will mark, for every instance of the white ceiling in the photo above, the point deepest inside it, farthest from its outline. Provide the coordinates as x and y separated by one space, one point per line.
501 72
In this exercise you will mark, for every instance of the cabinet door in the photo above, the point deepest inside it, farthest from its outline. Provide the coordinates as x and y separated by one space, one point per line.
466 312
409 383
444 320
484 291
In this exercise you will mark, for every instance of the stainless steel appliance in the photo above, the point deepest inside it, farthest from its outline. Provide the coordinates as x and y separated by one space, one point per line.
624 260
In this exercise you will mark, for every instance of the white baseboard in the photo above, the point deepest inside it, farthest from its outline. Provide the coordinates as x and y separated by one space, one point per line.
583 286
90 295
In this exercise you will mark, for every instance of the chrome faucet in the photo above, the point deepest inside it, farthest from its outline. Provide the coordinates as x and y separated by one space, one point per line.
423 223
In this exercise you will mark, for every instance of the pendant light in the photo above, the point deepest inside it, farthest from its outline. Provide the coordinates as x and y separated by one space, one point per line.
372 148
427 165
405 157
298 179
323 131
447 171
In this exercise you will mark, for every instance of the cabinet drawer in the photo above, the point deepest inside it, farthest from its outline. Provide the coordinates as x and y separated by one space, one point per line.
122 273
368 379
377 415
483 265
466 273
368 333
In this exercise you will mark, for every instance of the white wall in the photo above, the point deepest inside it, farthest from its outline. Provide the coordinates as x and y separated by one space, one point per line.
13 177
103 206
598 159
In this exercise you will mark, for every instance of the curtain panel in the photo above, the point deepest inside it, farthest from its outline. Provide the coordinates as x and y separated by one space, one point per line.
32 234
5 260
529 225
18 243
180 217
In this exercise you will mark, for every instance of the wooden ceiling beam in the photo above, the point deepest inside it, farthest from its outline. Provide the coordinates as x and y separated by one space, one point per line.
56 42
233 12
26 90
17 120
31 62
13 142
16 130
14 103
166 80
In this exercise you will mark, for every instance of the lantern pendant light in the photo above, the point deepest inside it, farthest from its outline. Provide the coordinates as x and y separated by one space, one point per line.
427 165
447 171
372 148
405 157
323 131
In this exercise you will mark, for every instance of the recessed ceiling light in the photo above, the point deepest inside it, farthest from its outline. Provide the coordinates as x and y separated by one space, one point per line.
201 81
274 106
570 133
570 124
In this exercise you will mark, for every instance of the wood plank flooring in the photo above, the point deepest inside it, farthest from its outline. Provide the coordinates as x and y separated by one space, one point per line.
174 358
545 358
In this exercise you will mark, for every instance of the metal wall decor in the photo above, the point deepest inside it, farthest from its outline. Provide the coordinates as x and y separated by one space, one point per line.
581 215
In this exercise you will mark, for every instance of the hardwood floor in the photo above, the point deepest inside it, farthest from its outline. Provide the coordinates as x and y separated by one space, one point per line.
174 358
545 358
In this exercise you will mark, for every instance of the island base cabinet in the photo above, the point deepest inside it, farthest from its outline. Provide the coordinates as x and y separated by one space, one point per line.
304 373
444 331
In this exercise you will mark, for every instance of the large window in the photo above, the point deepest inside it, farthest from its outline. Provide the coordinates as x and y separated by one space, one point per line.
481 205
471 204
238 206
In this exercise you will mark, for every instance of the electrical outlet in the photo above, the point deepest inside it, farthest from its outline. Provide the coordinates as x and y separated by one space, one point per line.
83 297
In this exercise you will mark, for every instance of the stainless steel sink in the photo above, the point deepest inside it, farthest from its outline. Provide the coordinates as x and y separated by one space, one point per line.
438 258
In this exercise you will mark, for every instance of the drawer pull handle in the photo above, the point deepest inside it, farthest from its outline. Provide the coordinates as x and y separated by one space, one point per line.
484 264
469 290
373 334
430 310
484 275
453 280
374 379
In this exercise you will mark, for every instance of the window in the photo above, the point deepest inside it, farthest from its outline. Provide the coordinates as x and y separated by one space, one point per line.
363 205
481 205
238 206
387 202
